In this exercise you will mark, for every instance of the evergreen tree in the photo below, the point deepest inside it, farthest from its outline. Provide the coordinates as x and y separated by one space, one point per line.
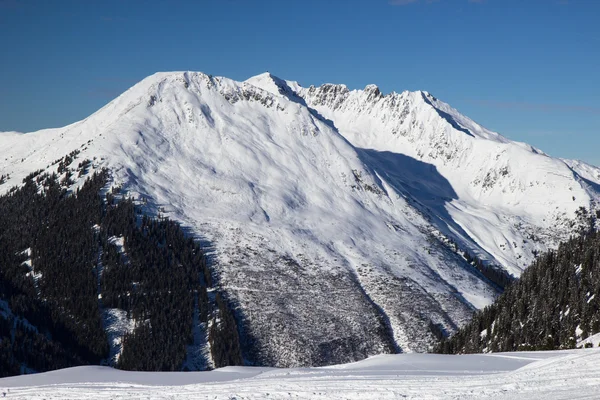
557 297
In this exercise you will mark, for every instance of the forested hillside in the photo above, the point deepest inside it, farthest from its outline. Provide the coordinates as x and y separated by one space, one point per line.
554 305
67 258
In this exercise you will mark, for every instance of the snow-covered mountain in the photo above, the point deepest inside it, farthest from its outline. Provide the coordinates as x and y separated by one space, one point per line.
511 187
337 220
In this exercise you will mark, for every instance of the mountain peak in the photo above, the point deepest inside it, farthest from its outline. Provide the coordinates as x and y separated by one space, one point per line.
269 82
264 75
373 92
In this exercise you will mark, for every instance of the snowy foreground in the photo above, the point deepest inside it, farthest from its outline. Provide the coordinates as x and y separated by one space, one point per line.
525 375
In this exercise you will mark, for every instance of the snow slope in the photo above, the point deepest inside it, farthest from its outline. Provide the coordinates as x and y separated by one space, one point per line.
502 199
329 214
521 375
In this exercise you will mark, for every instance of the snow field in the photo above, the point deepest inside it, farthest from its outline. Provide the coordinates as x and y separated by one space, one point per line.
522 375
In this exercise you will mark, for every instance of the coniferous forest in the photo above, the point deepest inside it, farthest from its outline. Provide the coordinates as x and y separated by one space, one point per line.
65 257
555 303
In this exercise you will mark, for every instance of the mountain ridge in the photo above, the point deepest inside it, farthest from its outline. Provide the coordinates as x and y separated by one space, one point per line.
316 213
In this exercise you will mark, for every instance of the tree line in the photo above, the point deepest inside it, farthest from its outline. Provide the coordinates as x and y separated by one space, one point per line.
60 267
555 303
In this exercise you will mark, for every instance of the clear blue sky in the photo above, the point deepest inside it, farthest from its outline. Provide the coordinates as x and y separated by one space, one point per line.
528 69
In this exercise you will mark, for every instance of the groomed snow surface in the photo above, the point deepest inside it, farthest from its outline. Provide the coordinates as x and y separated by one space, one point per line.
573 374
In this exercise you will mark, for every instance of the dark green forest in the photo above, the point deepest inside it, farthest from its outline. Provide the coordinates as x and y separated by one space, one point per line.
59 269
554 303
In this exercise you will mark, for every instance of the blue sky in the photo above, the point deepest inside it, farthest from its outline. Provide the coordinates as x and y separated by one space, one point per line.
528 69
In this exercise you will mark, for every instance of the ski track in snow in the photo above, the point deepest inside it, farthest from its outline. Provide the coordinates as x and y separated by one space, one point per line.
527 375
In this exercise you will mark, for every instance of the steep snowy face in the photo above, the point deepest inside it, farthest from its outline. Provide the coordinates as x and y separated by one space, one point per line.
322 254
507 201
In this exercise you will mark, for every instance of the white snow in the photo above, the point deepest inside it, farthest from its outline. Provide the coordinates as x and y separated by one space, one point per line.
119 243
116 325
594 340
591 298
492 194
354 198
36 275
523 375
8 134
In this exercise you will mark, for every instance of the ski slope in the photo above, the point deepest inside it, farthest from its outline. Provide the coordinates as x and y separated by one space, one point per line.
521 375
